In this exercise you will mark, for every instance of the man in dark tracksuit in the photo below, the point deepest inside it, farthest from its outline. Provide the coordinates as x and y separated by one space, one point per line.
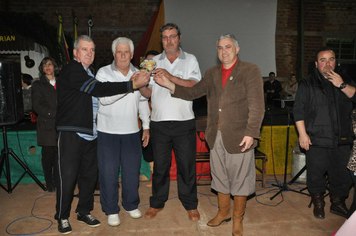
77 90
322 113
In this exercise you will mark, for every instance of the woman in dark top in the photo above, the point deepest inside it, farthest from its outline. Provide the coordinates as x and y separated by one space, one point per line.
44 104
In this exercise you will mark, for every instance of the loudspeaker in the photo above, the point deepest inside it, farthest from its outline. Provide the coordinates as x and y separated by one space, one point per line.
11 103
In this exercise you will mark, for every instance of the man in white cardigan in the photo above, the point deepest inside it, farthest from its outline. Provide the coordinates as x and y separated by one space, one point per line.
119 143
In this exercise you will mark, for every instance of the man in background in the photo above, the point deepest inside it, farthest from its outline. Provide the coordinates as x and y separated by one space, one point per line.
272 88
26 81
150 54
147 151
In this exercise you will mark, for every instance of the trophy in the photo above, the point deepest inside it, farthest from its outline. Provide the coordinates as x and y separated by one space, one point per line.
148 65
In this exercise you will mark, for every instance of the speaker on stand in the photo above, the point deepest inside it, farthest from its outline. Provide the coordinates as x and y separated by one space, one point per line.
11 112
11 104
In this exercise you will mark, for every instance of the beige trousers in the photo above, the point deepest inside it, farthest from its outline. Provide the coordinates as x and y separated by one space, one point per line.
233 174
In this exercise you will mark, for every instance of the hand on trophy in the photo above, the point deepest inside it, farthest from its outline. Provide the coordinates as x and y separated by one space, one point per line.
140 79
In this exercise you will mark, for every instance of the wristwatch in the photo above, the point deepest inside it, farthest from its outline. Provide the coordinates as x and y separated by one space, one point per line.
343 85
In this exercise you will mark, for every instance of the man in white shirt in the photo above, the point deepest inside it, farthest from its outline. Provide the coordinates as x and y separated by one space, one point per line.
173 125
119 143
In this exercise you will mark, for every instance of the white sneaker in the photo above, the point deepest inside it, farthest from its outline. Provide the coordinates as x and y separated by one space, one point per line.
135 214
113 220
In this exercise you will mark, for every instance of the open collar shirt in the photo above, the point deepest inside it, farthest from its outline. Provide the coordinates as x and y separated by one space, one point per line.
118 114
164 106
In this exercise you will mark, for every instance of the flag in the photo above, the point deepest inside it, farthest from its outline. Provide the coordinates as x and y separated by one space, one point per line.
62 41
155 42
151 40
75 27
90 25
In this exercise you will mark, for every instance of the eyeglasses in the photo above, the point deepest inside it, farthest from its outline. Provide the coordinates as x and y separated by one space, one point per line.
164 38
47 65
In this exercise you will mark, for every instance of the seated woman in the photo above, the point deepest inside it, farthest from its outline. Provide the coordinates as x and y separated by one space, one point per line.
291 86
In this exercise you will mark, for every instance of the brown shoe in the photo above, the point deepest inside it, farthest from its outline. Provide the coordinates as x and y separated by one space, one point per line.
338 206
152 212
319 204
193 215
223 214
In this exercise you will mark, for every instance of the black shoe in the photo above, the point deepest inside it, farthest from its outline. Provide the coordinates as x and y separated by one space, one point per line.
89 220
64 226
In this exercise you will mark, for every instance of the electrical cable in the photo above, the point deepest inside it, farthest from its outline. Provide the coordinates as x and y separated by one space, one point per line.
278 183
19 143
271 190
32 215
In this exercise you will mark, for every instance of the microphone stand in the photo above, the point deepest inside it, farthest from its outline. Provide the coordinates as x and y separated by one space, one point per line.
284 186
4 162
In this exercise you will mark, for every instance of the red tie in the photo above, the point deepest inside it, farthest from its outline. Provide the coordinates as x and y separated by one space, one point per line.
55 86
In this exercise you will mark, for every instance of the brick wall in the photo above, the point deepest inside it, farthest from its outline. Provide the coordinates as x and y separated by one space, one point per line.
112 19
322 18
130 18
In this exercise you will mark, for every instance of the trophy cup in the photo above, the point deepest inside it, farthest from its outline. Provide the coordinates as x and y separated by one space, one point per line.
148 65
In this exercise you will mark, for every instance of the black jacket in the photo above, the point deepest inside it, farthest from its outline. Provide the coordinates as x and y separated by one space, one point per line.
325 109
44 104
75 89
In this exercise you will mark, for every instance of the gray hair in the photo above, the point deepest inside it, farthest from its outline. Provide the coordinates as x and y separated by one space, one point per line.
227 35
124 41
84 38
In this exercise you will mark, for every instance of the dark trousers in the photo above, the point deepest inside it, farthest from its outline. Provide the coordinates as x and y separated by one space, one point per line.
115 151
181 136
77 161
332 161
50 165
147 151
